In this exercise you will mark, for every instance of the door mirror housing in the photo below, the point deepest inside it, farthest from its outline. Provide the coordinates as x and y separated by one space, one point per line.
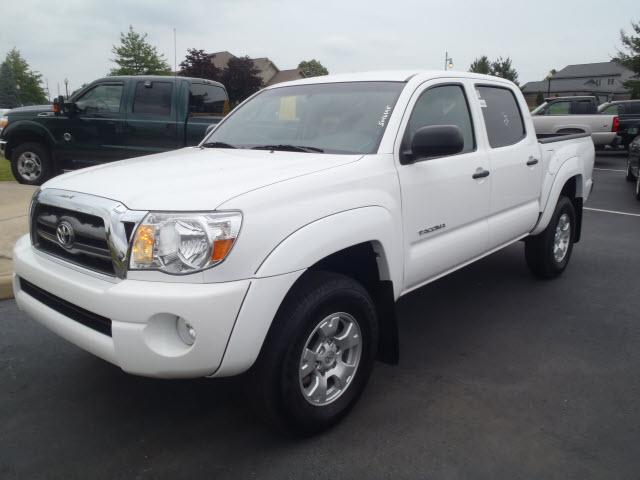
434 141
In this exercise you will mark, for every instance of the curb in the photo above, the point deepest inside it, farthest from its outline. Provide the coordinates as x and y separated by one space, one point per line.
6 288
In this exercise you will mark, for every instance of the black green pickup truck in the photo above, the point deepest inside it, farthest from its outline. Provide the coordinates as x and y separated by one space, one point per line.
110 119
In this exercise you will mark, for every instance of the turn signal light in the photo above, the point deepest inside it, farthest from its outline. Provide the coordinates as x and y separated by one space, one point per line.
142 250
221 248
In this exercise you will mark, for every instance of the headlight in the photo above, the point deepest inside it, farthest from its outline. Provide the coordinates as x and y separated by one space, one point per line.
182 243
4 121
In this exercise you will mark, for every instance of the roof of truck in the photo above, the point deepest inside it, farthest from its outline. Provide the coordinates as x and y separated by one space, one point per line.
388 76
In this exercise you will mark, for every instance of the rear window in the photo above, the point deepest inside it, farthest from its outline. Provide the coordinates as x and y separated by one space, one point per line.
502 116
206 99
153 98
633 108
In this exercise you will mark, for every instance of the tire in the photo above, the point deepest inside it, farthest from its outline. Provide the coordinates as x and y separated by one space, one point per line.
276 385
630 177
31 163
539 250
637 192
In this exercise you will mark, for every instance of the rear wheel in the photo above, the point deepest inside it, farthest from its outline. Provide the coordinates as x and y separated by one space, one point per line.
638 187
318 355
31 163
548 253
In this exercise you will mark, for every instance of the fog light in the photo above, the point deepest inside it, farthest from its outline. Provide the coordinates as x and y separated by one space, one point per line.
186 331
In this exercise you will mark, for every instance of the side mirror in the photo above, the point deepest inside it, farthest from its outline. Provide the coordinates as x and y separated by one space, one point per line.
58 105
434 141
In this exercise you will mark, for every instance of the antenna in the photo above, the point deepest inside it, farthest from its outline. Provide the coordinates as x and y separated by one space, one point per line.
175 54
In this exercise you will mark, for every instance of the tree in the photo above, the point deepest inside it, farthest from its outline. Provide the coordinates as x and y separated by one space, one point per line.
481 65
629 56
135 56
498 68
8 91
241 79
312 68
504 68
200 65
18 83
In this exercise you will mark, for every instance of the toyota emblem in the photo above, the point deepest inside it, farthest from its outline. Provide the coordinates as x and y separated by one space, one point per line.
65 234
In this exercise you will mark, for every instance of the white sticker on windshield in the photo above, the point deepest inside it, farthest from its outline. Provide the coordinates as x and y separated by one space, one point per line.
483 103
385 115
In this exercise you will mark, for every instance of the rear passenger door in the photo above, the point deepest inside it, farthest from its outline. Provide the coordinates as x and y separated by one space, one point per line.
207 105
444 208
152 125
516 168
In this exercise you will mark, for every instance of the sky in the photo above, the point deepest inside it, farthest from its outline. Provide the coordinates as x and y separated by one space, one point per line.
73 38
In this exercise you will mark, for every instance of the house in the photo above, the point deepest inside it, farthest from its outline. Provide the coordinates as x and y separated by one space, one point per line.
604 80
269 72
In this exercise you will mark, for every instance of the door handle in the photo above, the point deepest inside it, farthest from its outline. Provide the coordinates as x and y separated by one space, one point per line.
532 161
480 173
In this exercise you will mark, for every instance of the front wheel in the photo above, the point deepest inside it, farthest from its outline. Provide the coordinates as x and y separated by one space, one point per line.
548 253
318 355
630 177
31 163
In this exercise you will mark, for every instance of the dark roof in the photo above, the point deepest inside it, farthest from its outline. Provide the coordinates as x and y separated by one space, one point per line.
285 76
601 69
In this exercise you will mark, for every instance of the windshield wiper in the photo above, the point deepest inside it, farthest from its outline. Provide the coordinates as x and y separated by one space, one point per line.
289 148
218 145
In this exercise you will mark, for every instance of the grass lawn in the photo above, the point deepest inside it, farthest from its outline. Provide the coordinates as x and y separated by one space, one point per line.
5 171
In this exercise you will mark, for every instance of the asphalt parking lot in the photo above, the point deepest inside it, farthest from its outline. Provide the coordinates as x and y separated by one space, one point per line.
501 376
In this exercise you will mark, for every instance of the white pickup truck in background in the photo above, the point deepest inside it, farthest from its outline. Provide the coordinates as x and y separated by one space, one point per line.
568 115
279 246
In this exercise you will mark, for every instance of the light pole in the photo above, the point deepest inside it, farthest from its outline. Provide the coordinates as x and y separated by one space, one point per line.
448 61
66 86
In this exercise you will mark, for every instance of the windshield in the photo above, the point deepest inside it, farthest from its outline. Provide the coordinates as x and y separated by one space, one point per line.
347 118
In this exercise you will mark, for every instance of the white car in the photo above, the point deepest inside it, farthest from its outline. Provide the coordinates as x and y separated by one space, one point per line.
280 245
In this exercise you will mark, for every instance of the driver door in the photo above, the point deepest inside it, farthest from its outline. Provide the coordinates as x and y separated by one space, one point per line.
95 129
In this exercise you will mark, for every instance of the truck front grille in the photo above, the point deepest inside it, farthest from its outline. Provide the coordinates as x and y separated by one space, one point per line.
80 315
87 239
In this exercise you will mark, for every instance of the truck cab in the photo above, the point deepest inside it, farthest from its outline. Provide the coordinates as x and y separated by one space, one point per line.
112 118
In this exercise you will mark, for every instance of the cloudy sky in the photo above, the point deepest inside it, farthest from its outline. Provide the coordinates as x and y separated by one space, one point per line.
73 38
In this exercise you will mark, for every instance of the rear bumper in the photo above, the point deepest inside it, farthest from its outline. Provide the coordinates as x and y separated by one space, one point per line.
144 339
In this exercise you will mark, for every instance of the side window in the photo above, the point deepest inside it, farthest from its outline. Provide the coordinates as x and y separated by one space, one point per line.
502 116
632 108
153 98
583 107
559 108
206 99
610 110
444 105
103 98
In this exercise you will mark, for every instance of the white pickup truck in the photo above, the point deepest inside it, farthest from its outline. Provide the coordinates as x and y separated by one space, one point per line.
279 245
570 115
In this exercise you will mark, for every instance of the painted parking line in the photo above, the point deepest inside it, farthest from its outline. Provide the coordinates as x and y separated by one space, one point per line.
609 170
612 211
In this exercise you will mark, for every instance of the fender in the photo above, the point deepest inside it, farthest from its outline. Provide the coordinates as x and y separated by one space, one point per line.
288 261
572 126
317 240
21 127
552 187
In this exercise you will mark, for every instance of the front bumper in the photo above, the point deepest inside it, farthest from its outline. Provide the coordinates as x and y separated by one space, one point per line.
143 340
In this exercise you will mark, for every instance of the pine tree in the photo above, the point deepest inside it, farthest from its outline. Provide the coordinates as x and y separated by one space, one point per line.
18 81
629 56
135 56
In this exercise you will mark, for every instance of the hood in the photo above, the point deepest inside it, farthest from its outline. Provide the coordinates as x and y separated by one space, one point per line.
33 109
193 178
